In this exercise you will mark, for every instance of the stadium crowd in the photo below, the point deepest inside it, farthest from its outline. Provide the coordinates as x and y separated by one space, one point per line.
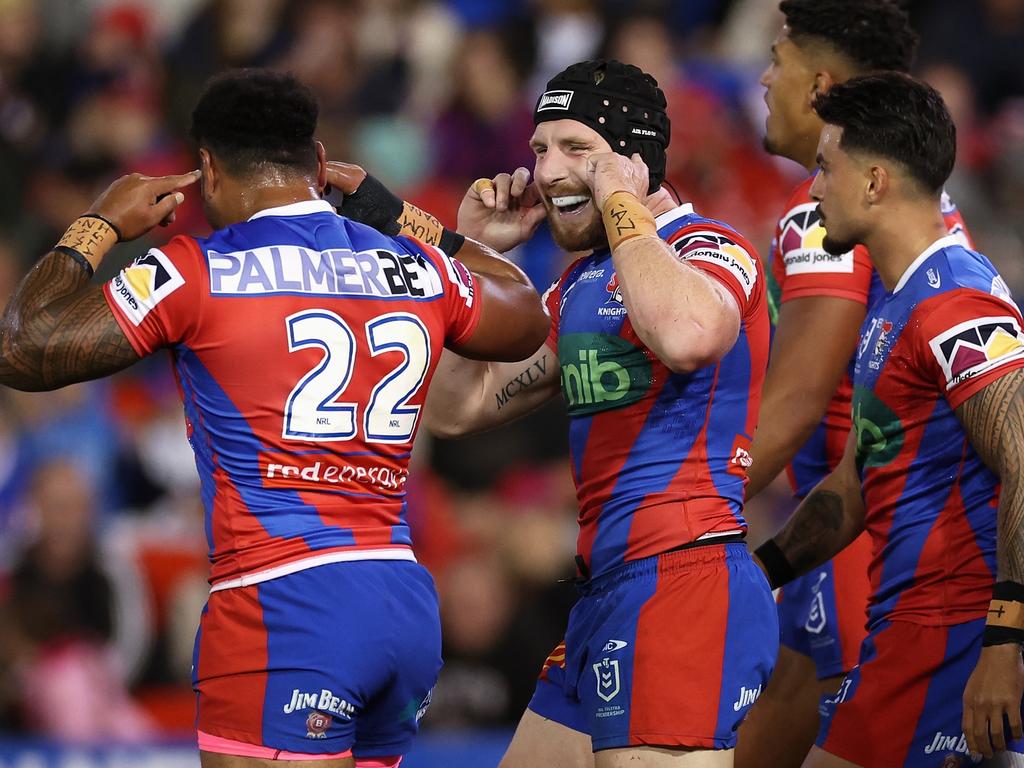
102 557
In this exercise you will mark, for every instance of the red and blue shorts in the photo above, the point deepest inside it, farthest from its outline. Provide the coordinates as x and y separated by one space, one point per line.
333 660
666 651
902 705
822 614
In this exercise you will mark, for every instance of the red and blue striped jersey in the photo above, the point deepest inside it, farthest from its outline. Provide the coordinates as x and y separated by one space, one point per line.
800 267
948 329
659 458
303 344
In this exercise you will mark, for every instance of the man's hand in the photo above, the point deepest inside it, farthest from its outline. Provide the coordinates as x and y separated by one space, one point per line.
609 172
502 212
135 204
344 177
993 691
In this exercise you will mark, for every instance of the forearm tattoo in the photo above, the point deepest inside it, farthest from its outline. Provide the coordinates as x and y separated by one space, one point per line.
815 532
521 382
57 330
994 422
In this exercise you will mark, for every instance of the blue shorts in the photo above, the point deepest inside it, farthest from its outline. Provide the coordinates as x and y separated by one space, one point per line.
330 659
666 651
823 613
901 707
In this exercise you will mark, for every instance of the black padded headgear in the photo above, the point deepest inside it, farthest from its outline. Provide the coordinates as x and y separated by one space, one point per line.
621 102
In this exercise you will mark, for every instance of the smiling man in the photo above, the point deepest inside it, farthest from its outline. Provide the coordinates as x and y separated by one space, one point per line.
931 469
805 405
660 341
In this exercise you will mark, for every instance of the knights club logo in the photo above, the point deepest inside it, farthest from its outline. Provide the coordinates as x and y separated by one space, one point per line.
614 291
608 683
976 346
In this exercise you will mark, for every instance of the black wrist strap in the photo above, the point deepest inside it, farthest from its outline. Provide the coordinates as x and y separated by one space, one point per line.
82 261
451 241
375 205
1001 635
776 566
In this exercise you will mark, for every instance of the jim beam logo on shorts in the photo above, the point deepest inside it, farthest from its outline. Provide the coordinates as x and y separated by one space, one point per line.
608 683
977 346
317 725
144 284
320 701
551 100
954 745
746 697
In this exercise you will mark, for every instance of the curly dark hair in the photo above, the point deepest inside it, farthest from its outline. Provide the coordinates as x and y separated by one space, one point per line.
893 115
250 118
873 34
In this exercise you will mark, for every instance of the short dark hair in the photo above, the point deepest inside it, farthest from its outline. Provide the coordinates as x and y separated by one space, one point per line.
895 116
872 34
250 118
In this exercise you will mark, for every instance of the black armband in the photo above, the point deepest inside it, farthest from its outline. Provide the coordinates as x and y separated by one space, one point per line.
1005 621
375 205
82 261
451 241
776 566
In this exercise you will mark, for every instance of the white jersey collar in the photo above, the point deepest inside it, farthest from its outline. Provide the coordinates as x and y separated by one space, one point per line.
662 219
303 208
938 245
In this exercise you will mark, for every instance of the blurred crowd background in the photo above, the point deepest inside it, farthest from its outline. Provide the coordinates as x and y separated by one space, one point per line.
102 557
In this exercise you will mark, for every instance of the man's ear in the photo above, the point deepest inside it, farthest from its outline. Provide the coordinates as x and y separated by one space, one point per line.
321 167
211 173
823 81
878 185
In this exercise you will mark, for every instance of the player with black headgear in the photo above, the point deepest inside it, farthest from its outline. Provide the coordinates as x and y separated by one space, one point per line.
659 338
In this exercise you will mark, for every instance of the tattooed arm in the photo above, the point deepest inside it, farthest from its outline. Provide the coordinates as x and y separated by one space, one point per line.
57 328
994 422
468 396
828 519
993 419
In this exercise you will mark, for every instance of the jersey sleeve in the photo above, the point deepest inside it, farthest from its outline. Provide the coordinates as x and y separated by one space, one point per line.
461 292
968 340
157 298
802 266
723 255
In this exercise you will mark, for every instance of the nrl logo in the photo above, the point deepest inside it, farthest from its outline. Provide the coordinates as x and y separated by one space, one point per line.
607 673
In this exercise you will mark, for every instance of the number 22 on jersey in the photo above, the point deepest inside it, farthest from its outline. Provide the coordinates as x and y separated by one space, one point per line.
315 410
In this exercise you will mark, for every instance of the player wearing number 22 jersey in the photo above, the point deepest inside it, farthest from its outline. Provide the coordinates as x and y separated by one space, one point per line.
303 344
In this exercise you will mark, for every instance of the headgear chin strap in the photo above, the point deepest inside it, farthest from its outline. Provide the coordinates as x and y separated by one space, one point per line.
620 102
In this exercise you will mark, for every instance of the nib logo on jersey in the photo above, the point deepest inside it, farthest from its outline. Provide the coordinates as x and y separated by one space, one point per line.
144 284
976 346
879 431
601 372
801 243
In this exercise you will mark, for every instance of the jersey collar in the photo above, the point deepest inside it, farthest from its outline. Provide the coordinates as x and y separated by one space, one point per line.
938 245
303 208
686 209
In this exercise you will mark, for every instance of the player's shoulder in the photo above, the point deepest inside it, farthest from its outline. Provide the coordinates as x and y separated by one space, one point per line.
950 267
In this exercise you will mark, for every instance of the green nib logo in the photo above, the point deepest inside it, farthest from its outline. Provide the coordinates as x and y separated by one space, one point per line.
601 372
879 431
